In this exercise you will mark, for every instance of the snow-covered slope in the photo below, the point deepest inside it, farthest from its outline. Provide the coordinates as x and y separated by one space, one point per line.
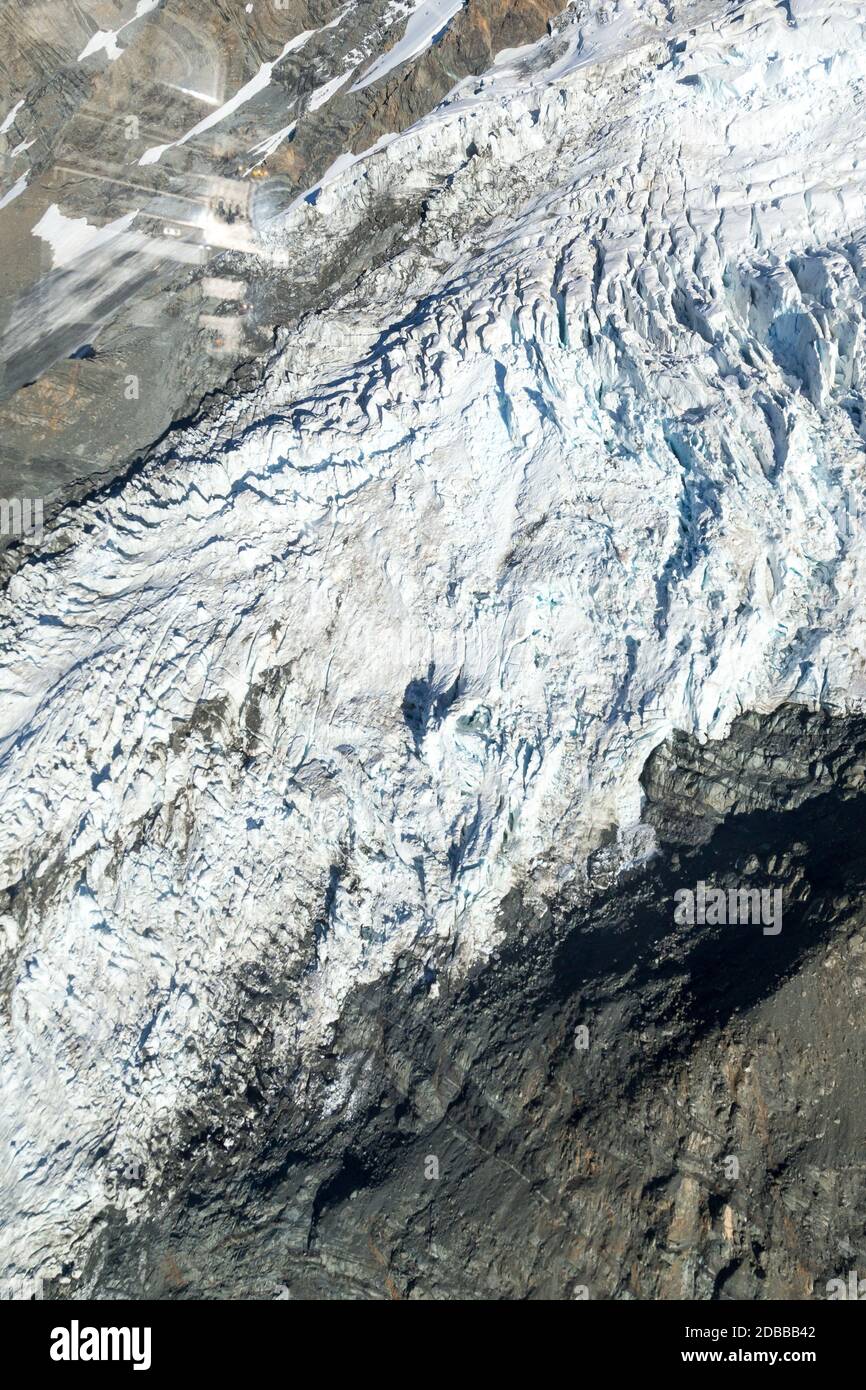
337 668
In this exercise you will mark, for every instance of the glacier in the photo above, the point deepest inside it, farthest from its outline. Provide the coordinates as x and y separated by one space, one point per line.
337 666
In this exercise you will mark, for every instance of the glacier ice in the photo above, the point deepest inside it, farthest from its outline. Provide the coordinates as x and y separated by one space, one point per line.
334 669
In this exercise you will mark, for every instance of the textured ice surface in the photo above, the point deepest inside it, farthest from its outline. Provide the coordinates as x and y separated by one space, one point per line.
581 465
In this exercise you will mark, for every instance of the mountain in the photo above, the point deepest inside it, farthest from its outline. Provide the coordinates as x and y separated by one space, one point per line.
453 553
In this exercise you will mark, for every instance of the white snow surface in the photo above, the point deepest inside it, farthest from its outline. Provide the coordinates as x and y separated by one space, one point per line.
246 93
15 191
581 465
73 237
9 118
105 40
427 20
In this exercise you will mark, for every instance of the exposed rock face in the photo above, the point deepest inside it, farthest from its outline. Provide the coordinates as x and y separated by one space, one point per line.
191 281
487 1153
361 735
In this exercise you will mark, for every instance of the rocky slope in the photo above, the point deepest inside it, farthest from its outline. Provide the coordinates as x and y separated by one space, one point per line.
359 735
176 128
